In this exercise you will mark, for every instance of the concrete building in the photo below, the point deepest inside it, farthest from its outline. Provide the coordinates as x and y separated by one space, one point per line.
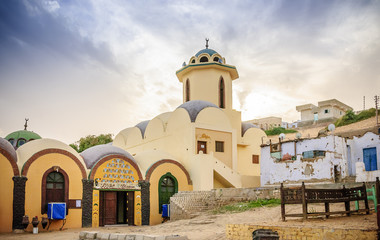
326 111
267 123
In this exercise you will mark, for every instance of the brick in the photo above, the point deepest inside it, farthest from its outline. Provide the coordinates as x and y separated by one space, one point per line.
82 235
176 238
103 236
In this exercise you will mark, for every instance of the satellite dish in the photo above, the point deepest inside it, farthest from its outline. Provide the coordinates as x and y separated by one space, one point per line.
331 127
298 135
282 136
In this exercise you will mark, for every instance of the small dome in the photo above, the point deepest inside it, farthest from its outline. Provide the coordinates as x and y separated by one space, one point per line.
8 148
206 50
245 126
93 154
20 137
195 106
142 126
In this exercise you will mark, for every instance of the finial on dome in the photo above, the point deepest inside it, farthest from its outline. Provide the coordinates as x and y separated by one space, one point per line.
26 123
207 43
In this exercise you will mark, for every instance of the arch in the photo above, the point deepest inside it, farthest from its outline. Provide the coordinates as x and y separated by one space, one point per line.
203 59
167 187
35 156
99 163
187 91
158 163
222 93
20 142
43 187
216 59
12 161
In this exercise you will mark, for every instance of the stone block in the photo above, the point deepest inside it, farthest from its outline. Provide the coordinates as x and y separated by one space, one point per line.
139 237
176 237
82 235
149 237
91 235
115 236
103 236
130 237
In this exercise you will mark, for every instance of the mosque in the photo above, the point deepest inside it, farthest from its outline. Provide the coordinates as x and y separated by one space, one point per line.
201 145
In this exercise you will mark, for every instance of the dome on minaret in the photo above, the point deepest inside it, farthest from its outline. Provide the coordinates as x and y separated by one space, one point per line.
18 138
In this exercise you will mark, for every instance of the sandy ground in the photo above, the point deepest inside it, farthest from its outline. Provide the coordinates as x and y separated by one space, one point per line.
212 227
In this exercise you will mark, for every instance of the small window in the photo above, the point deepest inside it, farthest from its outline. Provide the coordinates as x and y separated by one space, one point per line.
187 90
255 159
219 146
193 61
326 111
202 146
216 59
204 59
21 142
11 141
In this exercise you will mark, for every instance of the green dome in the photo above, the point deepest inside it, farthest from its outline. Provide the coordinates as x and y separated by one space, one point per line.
206 50
18 138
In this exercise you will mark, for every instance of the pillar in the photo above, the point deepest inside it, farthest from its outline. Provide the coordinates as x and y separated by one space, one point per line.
18 201
145 202
87 202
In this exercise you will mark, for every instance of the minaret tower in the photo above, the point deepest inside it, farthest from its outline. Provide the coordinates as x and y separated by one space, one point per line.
207 77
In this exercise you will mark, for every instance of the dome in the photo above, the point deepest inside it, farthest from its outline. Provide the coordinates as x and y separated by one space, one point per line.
195 106
7 148
245 126
93 154
20 137
209 51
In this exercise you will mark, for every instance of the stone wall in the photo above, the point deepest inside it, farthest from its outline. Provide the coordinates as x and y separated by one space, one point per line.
244 231
185 205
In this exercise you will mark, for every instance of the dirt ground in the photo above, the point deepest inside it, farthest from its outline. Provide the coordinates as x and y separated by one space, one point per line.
212 227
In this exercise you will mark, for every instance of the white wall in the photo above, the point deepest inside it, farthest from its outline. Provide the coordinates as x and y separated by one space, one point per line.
318 169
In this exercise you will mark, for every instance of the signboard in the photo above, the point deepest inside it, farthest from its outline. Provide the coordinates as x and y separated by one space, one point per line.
117 185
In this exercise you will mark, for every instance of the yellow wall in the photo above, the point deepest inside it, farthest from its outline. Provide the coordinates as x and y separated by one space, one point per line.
34 183
210 137
155 216
6 195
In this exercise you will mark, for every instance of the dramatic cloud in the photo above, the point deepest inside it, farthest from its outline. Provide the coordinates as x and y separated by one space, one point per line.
89 67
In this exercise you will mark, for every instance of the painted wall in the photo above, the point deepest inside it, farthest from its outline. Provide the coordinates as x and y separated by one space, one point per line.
211 137
357 144
34 183
6 195
317 169
115 171
155 216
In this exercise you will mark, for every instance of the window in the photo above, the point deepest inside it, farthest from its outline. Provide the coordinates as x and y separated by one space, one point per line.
216 59
255 159
55 185
187 90
11 141
313 154
221 93
20 142
168 186
370 159
202 146
327 111
219 146
193 61
204 59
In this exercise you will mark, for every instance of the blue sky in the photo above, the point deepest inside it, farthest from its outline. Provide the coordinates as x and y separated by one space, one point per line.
76 68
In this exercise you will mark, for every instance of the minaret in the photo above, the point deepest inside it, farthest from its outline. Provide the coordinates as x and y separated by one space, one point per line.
207 77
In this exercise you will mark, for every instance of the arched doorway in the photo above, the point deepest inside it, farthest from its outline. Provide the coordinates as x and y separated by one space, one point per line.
168 186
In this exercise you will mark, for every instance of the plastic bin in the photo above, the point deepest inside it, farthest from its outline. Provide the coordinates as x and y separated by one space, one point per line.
56 210
165 210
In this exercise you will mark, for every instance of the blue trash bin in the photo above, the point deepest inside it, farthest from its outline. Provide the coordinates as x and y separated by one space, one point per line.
165 210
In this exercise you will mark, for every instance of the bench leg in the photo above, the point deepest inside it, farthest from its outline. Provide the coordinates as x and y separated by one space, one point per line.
283 212
327 209
347 206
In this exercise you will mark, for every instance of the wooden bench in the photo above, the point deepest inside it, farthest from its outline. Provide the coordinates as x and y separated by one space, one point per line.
301 195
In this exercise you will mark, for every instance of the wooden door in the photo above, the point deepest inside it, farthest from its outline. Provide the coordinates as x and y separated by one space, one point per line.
131 208
202 146
108 201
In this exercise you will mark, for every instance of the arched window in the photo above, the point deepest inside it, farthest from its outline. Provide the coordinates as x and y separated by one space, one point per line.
55 187
11 141
167 187
216 59
221 93
193 61
187 90
204 59
20 142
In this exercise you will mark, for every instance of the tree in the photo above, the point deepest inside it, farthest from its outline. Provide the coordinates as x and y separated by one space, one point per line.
90 141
